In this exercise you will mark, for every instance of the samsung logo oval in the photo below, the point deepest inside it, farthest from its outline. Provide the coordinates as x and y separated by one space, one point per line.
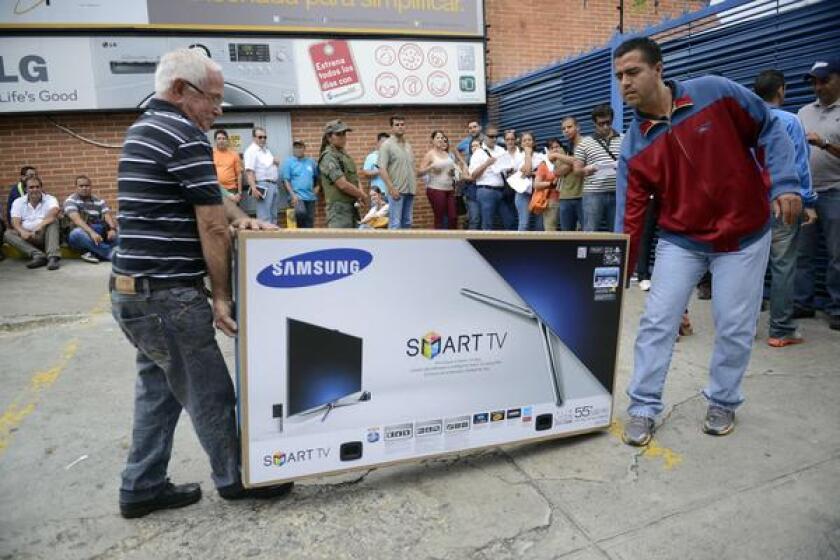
315 267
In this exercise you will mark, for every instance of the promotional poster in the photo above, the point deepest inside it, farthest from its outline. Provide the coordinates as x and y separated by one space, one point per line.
402 17
369 348
42 73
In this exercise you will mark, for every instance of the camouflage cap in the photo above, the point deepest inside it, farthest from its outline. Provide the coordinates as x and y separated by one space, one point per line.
336 126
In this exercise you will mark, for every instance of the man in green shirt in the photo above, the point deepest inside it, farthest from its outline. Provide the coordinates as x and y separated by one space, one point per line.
396 168
339 178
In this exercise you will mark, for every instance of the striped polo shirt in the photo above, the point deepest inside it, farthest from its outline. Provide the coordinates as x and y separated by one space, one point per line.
593 151
92 210
165 169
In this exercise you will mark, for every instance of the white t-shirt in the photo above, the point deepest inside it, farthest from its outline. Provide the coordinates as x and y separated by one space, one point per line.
492 175
31 218
261 162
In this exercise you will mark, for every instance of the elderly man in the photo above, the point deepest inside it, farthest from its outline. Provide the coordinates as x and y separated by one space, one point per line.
34 230
691 146
95 230
173 232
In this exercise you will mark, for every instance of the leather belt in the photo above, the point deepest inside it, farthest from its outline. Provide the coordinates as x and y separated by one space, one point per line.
144 284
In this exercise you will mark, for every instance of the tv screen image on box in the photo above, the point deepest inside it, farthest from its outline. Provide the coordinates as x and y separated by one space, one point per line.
324 366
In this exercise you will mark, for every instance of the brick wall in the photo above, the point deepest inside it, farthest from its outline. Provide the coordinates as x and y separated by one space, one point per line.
58 156
308 126
525 35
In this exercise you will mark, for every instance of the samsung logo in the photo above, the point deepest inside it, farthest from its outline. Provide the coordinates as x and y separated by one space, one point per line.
313 268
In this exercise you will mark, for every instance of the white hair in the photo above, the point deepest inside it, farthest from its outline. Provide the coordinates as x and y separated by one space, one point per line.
191 65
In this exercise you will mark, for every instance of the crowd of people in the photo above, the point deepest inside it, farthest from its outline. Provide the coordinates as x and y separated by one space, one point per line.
731 183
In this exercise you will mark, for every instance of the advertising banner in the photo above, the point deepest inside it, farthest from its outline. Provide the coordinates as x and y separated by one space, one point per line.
46 74
395 17
369 348
117 72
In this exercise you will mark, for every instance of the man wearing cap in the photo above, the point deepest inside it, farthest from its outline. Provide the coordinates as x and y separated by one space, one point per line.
299 174
339 178
821 120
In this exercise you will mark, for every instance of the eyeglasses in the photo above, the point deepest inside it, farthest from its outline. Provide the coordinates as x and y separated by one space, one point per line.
214 99
261 137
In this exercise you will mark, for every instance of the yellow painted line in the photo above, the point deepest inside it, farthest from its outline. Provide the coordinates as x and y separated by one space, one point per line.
26 402
653 450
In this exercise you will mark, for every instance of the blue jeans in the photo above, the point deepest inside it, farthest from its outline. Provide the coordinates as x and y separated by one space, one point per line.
737 280
179 365
571 214
525 219
79 239
269 205
400 212
491 200
599 211
783 272
828 223
305 213
470 193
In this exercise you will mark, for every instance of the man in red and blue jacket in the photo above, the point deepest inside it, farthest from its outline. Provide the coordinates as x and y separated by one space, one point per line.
715 159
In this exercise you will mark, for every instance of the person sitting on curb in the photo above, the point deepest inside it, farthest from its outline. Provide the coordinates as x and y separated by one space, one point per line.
377 216
95 231
35 226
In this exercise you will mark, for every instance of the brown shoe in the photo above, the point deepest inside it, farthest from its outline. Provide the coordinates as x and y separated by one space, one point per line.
788 340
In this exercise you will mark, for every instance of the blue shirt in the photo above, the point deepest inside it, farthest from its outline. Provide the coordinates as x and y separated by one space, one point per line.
802 153
301 173
372 163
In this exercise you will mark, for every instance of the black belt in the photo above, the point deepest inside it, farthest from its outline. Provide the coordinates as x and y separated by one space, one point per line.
143 284
490 187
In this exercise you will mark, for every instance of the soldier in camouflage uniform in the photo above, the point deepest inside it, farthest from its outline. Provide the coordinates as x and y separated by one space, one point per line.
339 178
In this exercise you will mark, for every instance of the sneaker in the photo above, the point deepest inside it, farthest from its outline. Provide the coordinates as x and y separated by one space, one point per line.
238 492
53 264
787 340
37 261
638 431
803 313
834 322
644 285
719 421
170 497
90 257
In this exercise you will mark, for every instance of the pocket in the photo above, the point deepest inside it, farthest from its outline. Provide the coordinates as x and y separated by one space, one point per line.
147 335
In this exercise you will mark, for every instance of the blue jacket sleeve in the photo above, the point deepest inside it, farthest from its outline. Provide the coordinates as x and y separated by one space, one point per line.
802 157
773 147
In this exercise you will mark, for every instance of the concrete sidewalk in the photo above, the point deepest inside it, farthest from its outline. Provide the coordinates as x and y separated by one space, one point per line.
771 490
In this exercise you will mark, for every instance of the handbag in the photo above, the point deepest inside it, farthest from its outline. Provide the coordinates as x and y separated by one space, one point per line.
539 200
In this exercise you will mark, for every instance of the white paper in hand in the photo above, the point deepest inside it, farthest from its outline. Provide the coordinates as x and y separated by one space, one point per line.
519 183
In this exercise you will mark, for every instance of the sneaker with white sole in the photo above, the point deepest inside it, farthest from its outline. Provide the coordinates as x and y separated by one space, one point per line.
90 257
638 431
644 285
719 421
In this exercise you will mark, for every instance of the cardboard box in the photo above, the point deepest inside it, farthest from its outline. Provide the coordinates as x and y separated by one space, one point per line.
359 349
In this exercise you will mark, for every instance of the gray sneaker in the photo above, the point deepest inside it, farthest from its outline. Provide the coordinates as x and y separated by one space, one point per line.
90 257
638 431
719 421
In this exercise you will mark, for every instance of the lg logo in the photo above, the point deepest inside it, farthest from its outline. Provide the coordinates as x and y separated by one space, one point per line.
32 68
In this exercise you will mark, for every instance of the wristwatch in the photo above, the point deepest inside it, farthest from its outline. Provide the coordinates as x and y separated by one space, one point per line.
825 144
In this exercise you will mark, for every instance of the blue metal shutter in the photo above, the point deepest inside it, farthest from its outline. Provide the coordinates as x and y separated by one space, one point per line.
538 101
